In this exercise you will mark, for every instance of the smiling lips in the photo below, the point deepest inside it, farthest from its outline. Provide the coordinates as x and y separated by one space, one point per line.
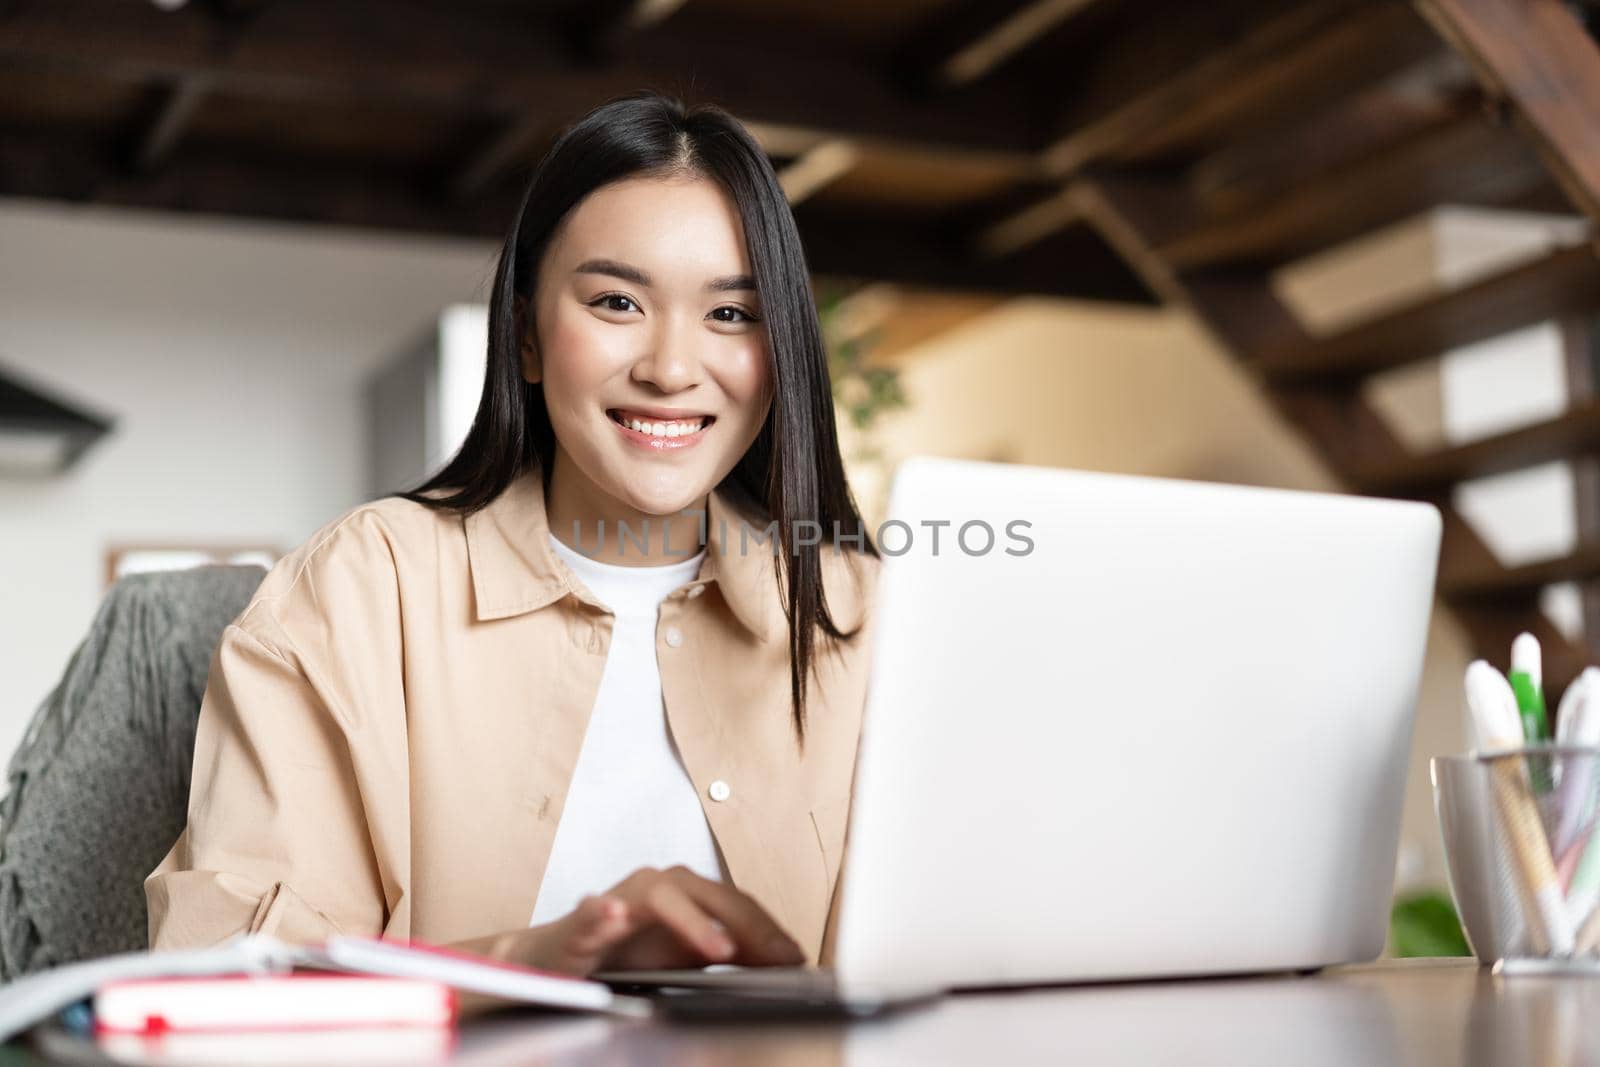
658 430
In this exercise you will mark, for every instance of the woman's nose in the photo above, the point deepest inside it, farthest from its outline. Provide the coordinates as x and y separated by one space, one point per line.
672 361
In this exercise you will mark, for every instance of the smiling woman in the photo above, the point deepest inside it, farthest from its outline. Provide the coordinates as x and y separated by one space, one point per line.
465 715
683 206
653 363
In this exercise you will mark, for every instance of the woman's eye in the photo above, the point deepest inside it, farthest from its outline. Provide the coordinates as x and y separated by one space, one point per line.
747 317
608 300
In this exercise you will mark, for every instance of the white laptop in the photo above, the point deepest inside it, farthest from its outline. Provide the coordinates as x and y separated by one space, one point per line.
1160 728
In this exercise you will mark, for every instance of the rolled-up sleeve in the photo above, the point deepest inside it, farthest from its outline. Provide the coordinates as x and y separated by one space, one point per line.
298 805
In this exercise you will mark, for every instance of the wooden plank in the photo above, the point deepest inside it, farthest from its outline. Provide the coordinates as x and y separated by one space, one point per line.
1581 354
1538 57
1563 282
1465 162
1099 125
596 28
860 242
965 42
1026 225
1277 95
193 180
172 118
1251 169
503 61
876 244
1471 582
514 140
1572 434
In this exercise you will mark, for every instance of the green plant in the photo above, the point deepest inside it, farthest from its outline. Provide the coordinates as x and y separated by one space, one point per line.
861 390
1425 924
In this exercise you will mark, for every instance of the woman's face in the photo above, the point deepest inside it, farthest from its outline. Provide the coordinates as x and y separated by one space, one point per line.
646 335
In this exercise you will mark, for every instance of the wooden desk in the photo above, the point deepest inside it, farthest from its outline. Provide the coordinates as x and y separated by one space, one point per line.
1404 1012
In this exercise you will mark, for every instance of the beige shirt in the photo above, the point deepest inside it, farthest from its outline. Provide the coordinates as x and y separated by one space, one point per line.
390 726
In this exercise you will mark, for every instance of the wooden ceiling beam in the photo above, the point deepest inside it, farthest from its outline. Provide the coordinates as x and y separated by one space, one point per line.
167 126
596 28
859 243
871 244
498 155
817 168
1364 47
477 61
966 42
1313 51
1253 167
1467 161
194 180
1028 225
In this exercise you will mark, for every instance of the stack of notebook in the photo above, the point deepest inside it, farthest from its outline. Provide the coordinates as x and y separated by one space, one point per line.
261 985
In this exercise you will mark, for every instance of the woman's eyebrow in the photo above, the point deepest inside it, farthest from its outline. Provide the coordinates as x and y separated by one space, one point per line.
615 269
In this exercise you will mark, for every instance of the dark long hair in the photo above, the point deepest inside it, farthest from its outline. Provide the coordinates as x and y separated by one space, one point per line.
792 472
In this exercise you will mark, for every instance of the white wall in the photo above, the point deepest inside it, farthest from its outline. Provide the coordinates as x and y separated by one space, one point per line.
232 355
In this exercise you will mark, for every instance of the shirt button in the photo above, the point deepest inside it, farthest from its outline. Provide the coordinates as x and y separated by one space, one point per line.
674 638
694 591
720 790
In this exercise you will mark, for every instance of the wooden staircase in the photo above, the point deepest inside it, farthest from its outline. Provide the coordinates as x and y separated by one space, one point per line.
1353 117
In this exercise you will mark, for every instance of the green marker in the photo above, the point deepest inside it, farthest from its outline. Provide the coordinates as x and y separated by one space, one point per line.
1527 682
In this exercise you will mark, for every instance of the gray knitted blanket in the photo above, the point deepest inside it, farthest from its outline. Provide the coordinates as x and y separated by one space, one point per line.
98 790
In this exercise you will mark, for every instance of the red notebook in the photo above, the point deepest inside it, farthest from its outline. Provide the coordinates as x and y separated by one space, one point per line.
156 1006
29 1000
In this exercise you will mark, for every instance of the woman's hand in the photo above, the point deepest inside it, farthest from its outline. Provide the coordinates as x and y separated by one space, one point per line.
654 919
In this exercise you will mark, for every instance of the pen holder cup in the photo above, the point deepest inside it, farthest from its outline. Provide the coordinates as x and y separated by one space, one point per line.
1521 831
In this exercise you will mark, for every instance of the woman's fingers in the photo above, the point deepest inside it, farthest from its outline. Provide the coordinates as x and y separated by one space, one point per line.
597 923
658 918
678 911
759 939
711 921
591 930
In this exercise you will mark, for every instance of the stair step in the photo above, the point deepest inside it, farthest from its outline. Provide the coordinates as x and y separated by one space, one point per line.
1563 282
1485 583
1463 161
1573 433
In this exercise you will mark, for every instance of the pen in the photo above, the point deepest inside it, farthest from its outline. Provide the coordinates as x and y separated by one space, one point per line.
1527 682
1589 935
1577 724
1497 722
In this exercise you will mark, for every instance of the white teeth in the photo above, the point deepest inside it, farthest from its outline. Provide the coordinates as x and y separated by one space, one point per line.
664 429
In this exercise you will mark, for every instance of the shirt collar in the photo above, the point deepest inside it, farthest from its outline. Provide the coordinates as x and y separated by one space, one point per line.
515 571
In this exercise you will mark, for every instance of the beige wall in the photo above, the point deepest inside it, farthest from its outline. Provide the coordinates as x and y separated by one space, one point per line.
1090 386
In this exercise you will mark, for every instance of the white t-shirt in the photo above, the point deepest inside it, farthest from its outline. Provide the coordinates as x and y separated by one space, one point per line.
631 804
